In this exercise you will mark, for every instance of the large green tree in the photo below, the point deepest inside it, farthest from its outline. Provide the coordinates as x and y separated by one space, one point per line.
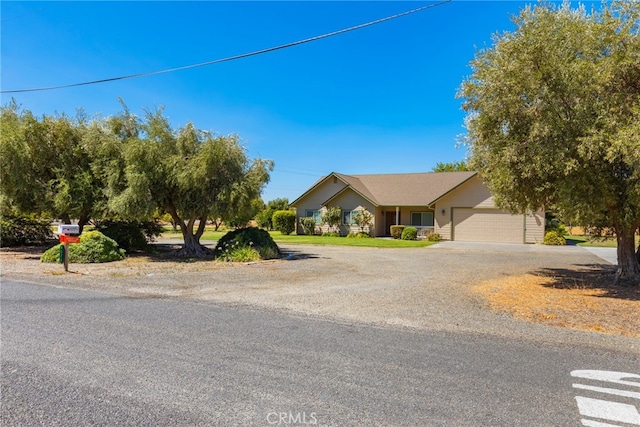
554 117
44 166
147 166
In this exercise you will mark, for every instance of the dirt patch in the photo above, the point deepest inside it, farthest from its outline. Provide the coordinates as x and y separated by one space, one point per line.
580 299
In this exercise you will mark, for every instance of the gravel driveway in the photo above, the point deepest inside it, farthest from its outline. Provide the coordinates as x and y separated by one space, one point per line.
423 288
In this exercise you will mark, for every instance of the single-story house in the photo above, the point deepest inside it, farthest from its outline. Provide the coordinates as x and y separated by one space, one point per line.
456 205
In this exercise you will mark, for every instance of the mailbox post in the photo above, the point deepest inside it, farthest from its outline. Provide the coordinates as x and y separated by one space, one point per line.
68 234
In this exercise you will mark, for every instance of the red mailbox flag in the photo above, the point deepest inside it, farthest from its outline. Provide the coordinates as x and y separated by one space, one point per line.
69 239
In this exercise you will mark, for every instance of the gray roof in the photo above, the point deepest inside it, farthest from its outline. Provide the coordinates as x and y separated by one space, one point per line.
404 189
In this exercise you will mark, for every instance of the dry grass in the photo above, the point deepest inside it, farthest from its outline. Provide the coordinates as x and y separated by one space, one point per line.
580 299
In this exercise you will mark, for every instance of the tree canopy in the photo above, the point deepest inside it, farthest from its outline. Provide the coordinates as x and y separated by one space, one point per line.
455 166
553 118
189 173
125 167
44 167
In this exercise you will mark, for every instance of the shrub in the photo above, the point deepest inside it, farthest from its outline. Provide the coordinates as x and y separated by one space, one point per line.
363 219
21 231
130 235
434 237
359 235
253 238
409 233
333 218
240 254
308 225
396 231
554 238
94 247
284 221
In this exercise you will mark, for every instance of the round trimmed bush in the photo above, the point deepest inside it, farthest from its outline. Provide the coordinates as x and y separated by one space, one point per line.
240 239
434 237
284 221
554 238
396 231
409 233
94 247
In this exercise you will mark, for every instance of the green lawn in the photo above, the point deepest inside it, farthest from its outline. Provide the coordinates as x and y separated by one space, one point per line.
293 239
609 242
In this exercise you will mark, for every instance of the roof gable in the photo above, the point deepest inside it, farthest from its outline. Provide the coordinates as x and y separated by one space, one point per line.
408 189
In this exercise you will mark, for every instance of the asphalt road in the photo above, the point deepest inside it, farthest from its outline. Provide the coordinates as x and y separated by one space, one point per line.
72 357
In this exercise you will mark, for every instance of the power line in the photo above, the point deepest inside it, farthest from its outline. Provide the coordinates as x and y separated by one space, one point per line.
232 58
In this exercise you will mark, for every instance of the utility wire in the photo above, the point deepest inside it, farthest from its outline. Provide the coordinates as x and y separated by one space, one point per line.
232 58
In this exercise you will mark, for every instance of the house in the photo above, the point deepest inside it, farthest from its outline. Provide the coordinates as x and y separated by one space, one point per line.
457 205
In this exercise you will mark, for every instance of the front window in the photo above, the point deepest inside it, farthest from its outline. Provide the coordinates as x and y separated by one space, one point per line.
347 217
315 214
422 219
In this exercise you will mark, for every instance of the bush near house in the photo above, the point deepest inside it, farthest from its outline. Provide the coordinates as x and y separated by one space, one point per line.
22 231
434 237
308 225
409 233
554 238
242 245
396 231
284 221
94 247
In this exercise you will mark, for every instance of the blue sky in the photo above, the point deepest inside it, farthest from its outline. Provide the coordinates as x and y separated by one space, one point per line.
376 100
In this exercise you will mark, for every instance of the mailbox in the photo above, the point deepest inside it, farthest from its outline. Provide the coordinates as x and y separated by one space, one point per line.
68 229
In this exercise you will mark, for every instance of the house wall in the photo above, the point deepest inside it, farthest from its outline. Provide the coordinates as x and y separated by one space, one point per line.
535 227
474 194
382 229
349 201
471 194
315 198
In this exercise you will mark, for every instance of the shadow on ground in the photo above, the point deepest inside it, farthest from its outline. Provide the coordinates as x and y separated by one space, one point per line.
598 277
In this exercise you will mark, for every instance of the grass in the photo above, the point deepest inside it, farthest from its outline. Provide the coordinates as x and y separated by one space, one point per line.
606 242
293 239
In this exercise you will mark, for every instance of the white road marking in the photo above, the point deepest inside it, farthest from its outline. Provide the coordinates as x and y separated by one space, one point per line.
612 411
606 410
614 391
590 423
608 376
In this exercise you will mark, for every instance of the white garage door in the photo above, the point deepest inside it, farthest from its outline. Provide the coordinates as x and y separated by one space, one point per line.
487 225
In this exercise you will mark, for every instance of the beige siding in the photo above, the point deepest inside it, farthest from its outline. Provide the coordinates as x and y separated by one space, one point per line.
314 200
487 225
471 194
474 194
535 227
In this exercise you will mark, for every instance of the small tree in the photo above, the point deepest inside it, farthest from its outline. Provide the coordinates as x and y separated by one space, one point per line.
284 221
265 217
363 219
333 218
308 225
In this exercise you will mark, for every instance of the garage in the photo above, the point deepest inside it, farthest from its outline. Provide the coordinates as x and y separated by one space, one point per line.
487 225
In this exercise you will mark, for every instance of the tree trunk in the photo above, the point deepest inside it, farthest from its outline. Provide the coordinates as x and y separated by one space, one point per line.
82 221
628 272
638 251
192 247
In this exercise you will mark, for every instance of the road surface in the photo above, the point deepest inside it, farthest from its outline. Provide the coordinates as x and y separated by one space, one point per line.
73 357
